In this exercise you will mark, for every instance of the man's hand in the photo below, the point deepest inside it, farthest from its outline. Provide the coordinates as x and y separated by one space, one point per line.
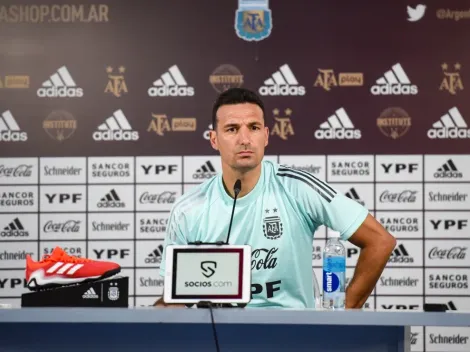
376 247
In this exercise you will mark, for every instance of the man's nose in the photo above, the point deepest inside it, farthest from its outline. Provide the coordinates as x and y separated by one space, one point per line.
244 136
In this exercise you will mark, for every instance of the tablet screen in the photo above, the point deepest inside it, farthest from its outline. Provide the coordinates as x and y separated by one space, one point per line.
215 273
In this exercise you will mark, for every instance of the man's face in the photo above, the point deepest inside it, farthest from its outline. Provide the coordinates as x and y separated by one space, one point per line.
240 136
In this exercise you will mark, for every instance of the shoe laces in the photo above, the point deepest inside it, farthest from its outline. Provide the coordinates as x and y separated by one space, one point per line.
64 257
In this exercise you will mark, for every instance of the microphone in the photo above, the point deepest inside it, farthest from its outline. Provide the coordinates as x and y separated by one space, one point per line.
237 187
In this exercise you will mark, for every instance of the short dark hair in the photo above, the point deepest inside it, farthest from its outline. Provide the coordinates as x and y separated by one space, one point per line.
235 96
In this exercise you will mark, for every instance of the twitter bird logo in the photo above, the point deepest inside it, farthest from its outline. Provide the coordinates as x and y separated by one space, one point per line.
415 14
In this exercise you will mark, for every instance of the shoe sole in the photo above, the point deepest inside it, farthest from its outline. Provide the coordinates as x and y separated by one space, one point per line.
37 287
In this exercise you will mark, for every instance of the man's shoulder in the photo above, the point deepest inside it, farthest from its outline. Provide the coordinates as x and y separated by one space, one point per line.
298 182
196 198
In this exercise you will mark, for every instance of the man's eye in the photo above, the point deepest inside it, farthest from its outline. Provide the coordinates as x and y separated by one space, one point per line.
255 127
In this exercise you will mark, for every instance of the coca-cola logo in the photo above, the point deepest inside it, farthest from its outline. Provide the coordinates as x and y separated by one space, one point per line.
68 226
406 196
262 258
18 171
452 253
162 198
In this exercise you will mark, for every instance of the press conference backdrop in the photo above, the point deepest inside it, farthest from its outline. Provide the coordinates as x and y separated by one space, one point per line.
105 110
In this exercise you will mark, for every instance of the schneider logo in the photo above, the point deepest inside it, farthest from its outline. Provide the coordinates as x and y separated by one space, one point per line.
60 85
338 126
9 129
400 255
450 126
171 84
116 128
111 200
282 82
394 82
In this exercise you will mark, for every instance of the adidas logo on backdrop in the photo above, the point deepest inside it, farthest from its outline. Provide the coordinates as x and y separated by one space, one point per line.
448 170
338 126
400 255
394 82
171 84
116 128
60 85
451 125
9 129
14 229
282 82
352 194
207 170
111 200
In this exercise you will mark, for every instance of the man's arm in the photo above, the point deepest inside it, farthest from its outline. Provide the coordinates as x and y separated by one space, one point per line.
376 247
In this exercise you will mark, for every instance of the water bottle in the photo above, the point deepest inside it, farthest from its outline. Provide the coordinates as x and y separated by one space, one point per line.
334 275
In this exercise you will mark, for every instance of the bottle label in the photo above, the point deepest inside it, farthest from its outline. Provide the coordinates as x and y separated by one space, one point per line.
334 277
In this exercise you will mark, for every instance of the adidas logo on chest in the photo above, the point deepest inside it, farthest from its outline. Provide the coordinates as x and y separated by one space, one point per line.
60 85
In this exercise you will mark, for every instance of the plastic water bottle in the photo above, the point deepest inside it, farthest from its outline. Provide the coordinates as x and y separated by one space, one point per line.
334 275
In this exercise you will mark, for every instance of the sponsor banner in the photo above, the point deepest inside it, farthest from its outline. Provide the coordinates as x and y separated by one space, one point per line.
111 198
317 253
151 225
149 253
417 338
149 282
452 304
70 226
156 197
452 253
62 170
446 224
13 254
198 169
450 339
442 196
399 303
398 196
63 198
121 252
399 168
18 227
402 224
12 283
314 164
18 199
106 226
447 168
407 253
164 169
111 170
396 281
18 171
350 168
447 282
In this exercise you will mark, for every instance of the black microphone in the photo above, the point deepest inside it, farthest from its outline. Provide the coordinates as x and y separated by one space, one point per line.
237 187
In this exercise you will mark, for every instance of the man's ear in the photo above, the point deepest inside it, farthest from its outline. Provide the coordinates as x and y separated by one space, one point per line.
213 139
266 131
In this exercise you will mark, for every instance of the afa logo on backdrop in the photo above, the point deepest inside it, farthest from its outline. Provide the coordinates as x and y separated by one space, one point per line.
253 20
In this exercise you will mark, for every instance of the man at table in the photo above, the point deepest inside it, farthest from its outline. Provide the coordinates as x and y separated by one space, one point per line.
296 200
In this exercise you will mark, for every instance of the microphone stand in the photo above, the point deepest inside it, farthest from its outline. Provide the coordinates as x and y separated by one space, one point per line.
207 304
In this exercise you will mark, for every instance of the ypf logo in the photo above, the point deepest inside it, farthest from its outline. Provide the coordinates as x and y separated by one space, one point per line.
208 268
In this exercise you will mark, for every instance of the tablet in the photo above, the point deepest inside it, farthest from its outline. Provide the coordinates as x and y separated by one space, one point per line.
214 273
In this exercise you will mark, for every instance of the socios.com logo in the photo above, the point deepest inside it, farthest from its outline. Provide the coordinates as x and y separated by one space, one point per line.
208 268
208 284
330 281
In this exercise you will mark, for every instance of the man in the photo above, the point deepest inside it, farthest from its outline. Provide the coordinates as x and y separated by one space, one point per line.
297 201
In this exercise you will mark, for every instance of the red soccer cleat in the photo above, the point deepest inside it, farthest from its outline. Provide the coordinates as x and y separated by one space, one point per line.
61 269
